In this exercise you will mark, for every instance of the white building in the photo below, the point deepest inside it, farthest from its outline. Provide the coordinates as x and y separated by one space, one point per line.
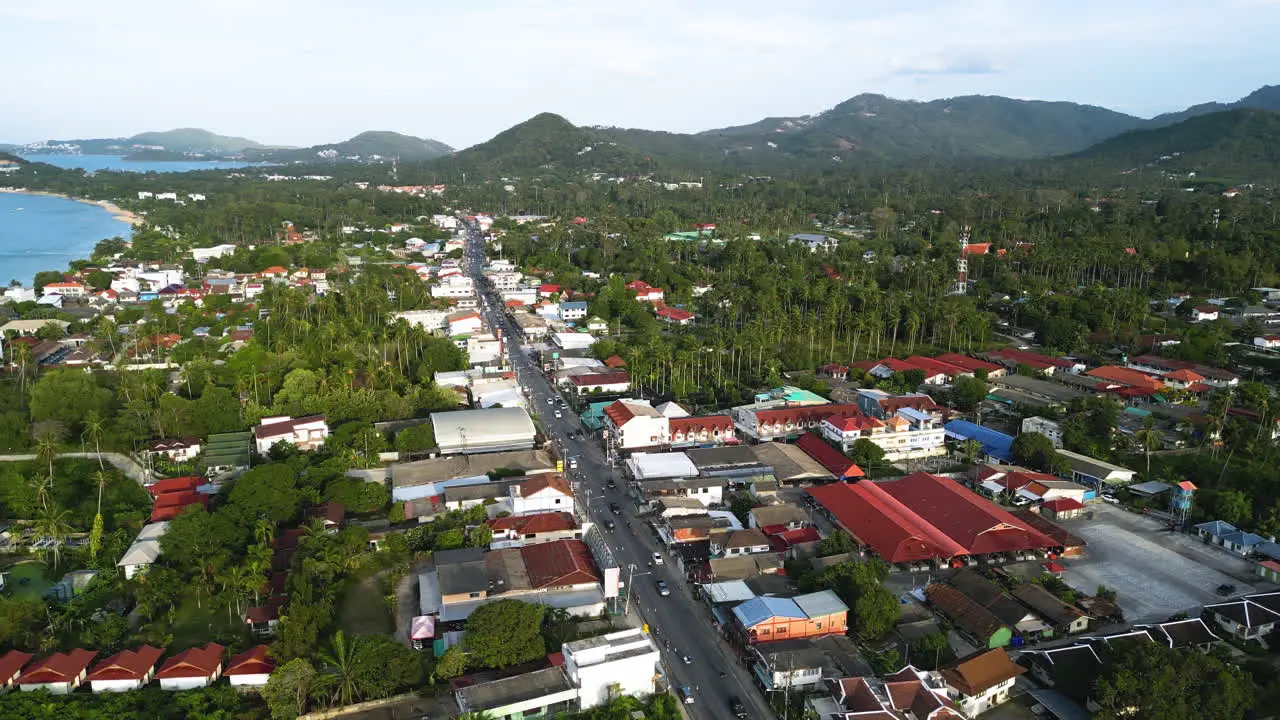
635 425
572 341
205 254
464 323
907 434
547 492
505 279
980 681
1268 342
194 668
604 667
429 320
454 286
483 431
60 673
573 311
307 433
251 668
126 670
1046 427
144 550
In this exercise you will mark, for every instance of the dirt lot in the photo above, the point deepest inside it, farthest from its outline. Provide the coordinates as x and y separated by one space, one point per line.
1154 573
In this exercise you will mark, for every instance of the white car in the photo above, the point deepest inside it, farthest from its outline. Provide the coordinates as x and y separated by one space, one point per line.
657 559
1110 498
559 414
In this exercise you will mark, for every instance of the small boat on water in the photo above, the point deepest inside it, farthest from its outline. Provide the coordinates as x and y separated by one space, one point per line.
18 209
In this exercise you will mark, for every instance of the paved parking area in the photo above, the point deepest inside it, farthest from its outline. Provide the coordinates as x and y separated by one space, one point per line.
1154 573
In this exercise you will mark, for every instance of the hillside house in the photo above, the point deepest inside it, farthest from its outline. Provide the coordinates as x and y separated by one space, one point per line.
306 433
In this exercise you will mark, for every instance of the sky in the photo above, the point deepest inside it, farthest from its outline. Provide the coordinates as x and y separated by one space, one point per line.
303 72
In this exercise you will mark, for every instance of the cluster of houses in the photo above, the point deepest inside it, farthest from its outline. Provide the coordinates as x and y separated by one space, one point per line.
197 667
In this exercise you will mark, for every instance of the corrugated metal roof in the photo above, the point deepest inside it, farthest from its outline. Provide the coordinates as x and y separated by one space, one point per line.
823 602
757 610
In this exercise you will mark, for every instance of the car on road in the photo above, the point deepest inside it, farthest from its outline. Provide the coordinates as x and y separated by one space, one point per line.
663 590
551 401
573 463
609 524
686 695
611 484
1225 590
615 508
559 414
735 705
1110 497
687 660
657 559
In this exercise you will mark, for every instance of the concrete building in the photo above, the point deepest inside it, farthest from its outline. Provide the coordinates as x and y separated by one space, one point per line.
768 618
305 433
607 666
251 668
635 425
126 670
484 431
537 694
1049 428
144 551
59 673
981 681
1095 473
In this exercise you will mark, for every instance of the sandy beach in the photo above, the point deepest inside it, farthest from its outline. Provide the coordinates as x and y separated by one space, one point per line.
116 211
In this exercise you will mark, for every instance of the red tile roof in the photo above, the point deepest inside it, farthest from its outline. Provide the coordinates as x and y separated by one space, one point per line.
170 505
675 314
1062 504
538 483
559 563
1127 377
615 361
805 414
127 664
253 661
917 401
177 485
829 457
332 512
933 366
610 378
1035 360
537 523
923 516
548 288
855 423
266 612
1184 375
58 668
198 662
695 425
638 285
10 663
902 366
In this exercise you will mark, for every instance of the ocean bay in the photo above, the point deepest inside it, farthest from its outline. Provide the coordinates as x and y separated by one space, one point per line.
40 232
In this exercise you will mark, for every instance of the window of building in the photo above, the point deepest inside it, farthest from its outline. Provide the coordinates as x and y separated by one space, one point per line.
474 595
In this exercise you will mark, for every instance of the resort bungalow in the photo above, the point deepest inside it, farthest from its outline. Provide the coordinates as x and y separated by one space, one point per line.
251 668
59 673
11 664
126 670
194 668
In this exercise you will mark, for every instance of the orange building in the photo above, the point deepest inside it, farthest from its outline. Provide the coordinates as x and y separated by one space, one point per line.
766 619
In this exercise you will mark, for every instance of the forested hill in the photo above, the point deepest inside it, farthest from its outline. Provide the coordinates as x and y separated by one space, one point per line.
1235 145
1264 98
974 126
545 142
381 143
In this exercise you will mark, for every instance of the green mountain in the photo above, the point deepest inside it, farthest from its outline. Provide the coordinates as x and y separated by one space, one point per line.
1266 97
10 159
974 126
542 143
366 145
1235 145
194 140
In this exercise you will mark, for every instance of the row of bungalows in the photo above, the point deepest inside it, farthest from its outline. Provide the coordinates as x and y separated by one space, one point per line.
992 617
63 673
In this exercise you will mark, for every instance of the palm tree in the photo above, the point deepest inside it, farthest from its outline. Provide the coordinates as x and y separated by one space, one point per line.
52 525
47 450
340 667
95 534
42 487
93 427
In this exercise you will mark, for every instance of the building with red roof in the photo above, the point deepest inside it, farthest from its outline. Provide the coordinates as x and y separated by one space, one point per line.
560 564
618 381
701 431
676 316
170 505
519 530
251 668
836 462
926 517
547 290
1012 357
184 484
933 367
194 668
11 664
1063 508
972 364
615 362
1127 377
59 673
762 425
126 670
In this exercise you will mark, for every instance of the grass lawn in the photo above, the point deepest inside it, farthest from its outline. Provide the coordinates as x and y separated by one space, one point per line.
362 610
194 625
33 572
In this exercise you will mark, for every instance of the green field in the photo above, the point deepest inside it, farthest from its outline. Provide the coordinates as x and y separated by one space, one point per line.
33 572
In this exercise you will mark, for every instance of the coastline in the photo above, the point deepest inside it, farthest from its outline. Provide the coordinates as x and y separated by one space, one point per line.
116 211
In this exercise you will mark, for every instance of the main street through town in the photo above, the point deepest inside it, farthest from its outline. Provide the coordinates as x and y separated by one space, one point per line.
681 625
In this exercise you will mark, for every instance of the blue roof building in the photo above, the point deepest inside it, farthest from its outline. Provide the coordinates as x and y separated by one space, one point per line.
995 444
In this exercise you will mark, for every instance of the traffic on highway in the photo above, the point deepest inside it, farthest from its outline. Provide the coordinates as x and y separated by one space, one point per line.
701 667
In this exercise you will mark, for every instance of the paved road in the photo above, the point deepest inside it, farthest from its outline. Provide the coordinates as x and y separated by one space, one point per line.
122 463
681 624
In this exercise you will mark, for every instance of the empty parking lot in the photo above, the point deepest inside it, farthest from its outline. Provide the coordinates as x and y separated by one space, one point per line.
1154 573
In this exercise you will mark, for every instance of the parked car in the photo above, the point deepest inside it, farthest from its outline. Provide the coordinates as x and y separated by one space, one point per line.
657 558
686 695
1110 497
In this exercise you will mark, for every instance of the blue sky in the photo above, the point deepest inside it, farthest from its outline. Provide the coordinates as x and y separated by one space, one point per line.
309 71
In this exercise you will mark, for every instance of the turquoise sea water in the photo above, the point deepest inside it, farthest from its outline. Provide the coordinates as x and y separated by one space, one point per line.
48 232
94 163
